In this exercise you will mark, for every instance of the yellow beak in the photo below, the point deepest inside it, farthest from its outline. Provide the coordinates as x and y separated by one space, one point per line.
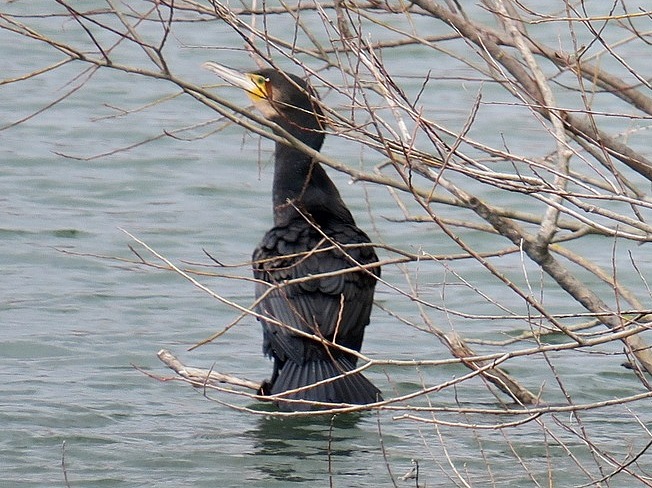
255 85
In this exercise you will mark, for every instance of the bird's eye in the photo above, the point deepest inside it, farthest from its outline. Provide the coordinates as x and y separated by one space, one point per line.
261 81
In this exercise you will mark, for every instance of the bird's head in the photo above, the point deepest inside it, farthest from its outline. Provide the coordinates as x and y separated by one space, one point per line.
281 97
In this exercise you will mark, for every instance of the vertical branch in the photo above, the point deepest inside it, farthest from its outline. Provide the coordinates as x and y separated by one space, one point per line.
151 53
167 28
548 227
77 16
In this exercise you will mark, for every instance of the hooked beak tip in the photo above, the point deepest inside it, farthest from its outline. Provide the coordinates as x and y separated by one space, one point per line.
235 78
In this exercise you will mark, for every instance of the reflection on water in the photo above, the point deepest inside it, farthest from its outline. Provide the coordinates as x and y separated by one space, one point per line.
72 326
285 447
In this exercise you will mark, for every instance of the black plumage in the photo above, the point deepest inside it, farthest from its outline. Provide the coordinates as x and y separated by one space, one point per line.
314 233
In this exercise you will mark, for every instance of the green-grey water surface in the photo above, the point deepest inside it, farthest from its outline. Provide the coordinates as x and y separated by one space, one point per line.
76 326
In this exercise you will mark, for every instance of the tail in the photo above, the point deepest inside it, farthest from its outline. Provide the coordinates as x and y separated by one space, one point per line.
354 388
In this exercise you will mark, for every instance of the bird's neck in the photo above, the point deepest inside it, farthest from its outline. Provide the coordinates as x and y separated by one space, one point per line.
303 189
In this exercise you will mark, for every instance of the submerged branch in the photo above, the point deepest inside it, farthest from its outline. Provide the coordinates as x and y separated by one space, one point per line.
201 377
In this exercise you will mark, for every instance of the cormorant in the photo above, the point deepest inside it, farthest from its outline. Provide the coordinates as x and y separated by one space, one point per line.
314 233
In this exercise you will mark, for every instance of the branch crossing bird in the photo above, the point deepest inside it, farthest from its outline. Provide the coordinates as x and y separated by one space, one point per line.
314 234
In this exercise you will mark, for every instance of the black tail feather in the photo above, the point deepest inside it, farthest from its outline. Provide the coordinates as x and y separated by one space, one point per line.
354 388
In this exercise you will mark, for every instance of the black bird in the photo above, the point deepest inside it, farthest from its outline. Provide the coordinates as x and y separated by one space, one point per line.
314 233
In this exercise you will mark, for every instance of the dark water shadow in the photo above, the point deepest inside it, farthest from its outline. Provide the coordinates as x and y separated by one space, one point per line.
300 449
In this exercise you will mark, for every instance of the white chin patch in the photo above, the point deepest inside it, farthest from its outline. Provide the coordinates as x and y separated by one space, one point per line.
266 108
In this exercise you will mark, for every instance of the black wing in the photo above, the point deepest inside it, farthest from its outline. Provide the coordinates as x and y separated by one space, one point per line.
334 307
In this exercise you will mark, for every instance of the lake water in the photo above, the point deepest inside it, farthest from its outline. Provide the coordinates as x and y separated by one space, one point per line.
75 325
